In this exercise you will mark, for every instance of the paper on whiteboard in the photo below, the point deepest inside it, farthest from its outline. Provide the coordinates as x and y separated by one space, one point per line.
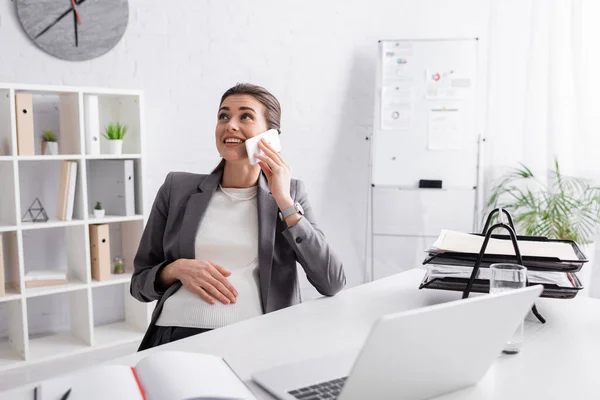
445 129
396 109
397 62
446 83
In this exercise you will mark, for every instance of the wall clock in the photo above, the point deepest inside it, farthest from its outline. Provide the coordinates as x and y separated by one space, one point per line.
74 30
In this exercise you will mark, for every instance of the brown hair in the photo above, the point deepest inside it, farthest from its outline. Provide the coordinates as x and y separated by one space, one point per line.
273 109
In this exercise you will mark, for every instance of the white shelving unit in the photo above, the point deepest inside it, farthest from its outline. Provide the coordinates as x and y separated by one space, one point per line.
52 322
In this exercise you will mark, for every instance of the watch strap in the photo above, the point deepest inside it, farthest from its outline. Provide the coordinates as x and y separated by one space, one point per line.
288 211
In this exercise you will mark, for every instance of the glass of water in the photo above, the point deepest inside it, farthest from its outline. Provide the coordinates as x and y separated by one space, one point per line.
505 277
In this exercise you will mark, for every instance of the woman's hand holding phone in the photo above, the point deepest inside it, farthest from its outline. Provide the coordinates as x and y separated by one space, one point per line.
278 174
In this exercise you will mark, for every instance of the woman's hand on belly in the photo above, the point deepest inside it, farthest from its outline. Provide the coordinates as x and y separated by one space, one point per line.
206 279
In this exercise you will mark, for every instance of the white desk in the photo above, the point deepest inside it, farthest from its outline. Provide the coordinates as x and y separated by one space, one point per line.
559 360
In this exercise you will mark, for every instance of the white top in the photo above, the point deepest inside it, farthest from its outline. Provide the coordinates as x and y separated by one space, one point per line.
558 360
228 236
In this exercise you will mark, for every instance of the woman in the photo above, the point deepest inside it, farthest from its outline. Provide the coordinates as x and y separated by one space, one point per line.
221 248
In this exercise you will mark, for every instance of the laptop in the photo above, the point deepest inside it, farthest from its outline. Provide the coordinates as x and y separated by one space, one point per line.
412 355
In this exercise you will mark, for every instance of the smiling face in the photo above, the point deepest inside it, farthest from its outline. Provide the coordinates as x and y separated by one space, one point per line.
240 117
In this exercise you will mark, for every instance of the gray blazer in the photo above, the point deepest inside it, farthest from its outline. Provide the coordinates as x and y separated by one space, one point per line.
170 234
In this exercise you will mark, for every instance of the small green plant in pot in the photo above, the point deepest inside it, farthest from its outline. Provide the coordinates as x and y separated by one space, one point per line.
115 133
98 210
49 143
118 265
567 208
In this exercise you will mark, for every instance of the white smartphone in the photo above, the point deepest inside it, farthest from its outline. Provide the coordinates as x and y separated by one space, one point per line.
271 136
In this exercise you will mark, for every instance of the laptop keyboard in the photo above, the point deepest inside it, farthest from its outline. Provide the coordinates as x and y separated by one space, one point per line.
321 391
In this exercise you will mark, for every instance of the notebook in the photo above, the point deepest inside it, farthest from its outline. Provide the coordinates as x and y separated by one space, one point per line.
172 375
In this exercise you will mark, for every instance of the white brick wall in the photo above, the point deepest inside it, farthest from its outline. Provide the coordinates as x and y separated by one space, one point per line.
317 57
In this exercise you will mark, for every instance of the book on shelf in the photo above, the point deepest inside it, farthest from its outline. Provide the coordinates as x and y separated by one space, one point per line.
44 275
66 191
34 279
171 375
71 190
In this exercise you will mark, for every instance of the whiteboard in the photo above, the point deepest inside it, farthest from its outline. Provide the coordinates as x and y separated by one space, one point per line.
426 110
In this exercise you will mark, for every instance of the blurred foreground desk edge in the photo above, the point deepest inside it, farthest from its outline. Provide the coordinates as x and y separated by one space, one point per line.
558 359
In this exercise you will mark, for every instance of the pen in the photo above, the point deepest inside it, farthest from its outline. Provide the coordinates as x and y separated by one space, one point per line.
66 395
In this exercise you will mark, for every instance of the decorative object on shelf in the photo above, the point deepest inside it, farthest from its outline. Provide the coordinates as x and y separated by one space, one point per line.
77 30
49 143
115 134
98 210
35 212
118 266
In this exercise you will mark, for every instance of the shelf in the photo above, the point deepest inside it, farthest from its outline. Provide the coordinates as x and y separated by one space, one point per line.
116 334
53 322
11 294
110 219
33 88
50 158
9 357
55 346
12 337
51 223
113 156
114 280
46 290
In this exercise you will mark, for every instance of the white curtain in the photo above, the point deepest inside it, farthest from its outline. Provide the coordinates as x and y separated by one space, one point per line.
543 83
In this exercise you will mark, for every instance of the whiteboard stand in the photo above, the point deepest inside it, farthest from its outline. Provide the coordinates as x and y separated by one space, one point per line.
427 125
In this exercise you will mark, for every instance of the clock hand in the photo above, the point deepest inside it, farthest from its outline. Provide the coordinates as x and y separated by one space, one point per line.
57 20
77 17
76 27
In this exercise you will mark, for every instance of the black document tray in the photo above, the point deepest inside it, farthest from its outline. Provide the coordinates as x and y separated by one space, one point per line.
483 285
532 263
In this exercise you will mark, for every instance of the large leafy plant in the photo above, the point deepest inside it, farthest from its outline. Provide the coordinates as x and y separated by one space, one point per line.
566 208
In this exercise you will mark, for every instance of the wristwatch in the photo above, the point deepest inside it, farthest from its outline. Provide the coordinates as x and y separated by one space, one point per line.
296 208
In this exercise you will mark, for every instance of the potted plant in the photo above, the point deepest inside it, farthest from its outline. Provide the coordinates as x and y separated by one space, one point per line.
115 134
566 208
98 210
49 143
118 265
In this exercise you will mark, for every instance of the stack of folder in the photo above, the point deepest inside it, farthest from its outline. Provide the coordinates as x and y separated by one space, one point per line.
552 263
